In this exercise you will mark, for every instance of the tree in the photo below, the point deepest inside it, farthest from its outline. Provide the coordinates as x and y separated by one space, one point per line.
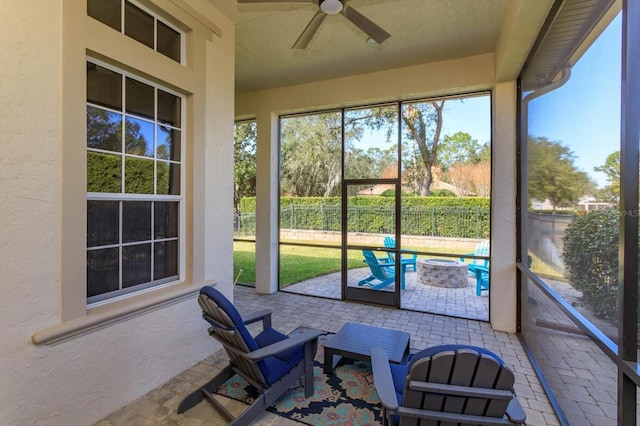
611 168
458 148
311 152
472 177
311 147
244 167
552 173
423 125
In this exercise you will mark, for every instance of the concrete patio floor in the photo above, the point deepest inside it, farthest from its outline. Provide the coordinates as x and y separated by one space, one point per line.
158 407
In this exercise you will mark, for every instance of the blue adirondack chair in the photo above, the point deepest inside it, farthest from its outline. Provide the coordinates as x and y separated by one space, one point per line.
479 268
482 249
411 260
382 271
482 279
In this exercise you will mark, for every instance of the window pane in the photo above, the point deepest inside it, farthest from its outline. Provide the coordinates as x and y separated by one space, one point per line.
371 143
104 87
367 223
165 259
168 41
168 143
138 137
138 24
168 178
104 172
103 223
102 271
140 98
166 219
138 176
136 265
106 11
169 107
573 145
104 129
136 221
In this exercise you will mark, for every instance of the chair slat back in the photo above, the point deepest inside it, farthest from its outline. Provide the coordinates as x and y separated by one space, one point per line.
482 249
463 367
389 242
233 338
377 270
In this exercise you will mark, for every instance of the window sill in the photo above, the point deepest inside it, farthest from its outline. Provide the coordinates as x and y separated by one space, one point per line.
119 311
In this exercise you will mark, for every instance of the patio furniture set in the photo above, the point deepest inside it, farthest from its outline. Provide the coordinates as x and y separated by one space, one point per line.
452 383
434 272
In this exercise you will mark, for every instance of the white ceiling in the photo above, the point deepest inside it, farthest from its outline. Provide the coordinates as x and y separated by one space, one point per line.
421 31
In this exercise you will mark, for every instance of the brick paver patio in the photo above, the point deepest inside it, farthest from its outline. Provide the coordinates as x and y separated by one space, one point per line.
417 296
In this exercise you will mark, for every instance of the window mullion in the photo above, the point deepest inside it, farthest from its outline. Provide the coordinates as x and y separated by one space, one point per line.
120 272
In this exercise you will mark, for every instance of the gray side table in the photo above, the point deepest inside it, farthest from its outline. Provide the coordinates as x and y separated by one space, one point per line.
356 340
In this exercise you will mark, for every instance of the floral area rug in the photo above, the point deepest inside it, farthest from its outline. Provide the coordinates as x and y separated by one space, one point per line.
345 398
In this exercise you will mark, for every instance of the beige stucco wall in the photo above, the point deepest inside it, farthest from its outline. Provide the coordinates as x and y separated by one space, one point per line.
100 367
433 79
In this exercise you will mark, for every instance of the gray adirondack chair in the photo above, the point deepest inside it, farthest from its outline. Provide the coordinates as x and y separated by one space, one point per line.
453 384
271 361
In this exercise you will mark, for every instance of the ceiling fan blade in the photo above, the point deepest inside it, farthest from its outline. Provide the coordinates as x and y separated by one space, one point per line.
278 1
366 25
310 30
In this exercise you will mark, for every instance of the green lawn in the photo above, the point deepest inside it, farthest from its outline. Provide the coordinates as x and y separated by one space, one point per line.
302 263
296 263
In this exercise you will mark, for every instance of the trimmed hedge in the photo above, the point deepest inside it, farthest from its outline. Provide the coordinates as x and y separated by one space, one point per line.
462 217
590 256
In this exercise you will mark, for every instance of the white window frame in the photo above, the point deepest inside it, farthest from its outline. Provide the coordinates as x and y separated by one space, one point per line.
123 196
156 18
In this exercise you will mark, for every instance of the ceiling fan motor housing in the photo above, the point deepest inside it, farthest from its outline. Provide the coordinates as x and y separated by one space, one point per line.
331 7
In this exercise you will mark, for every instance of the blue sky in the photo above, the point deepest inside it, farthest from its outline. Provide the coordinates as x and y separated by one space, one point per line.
469 115
584 114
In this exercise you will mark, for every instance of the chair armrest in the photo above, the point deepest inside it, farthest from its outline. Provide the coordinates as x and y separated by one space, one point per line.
284 345
382 379
385 261
480 269
264 315
515 412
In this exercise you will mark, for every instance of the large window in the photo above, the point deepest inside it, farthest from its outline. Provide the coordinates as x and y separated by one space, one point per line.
134 195
138 23
410 178
573 214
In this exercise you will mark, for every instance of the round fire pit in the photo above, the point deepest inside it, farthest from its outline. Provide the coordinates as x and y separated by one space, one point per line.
443 273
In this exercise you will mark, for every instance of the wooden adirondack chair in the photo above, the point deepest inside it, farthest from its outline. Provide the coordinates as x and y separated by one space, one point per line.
456 384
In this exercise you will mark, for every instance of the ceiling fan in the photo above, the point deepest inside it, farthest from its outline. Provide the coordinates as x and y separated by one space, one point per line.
331 7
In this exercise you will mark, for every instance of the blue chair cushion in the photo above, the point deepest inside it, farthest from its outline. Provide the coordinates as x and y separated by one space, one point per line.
271 368
226 305
399 375
280 364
